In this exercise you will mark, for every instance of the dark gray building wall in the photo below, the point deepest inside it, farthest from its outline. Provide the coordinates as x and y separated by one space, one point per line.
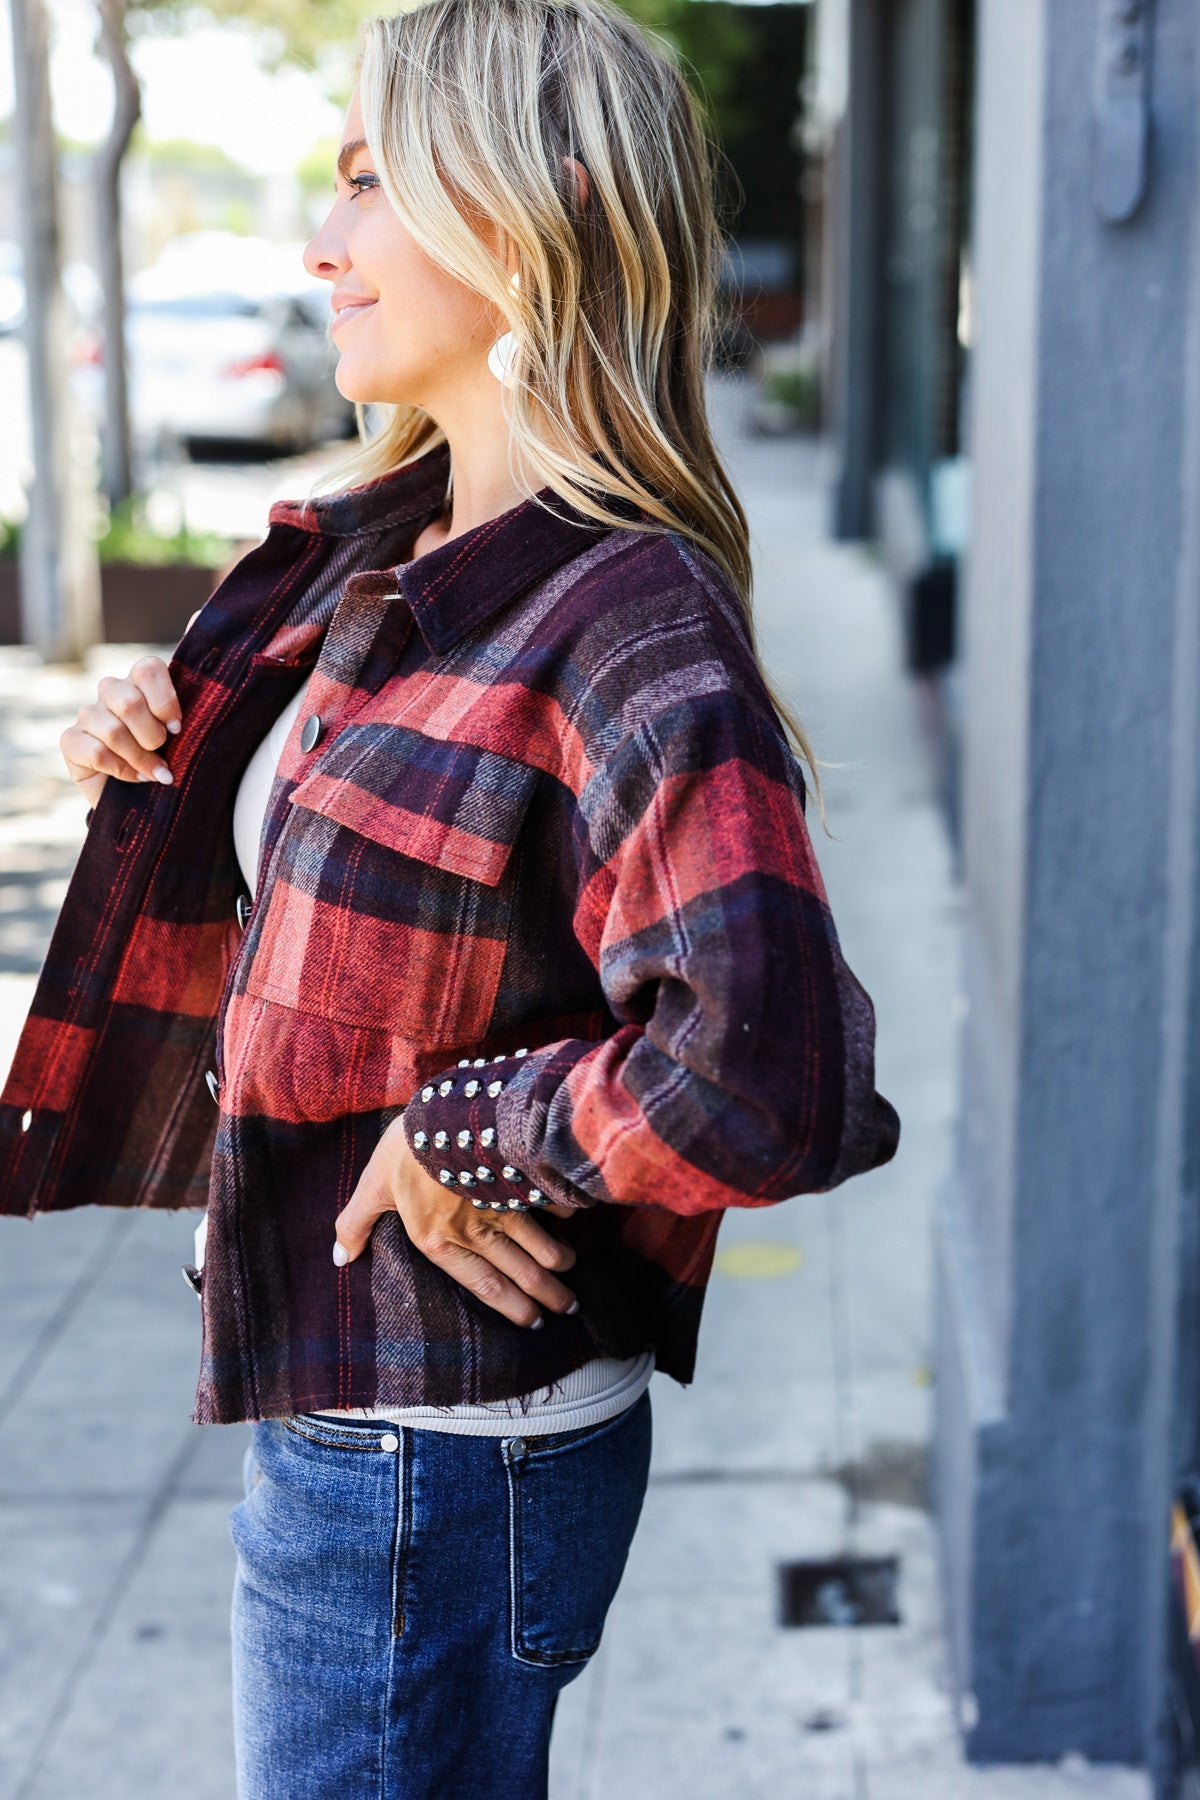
1060 1301
854 241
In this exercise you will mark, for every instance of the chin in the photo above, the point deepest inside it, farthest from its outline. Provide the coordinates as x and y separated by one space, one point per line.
367 389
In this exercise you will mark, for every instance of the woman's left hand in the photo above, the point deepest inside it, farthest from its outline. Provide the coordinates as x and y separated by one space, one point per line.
505 1259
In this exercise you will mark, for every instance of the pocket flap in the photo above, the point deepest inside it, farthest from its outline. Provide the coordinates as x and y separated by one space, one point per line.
450 804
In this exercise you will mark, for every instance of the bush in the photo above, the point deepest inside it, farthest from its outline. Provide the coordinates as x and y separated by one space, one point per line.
124 536
798 390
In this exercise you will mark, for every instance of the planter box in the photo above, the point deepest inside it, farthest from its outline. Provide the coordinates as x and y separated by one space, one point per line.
140 603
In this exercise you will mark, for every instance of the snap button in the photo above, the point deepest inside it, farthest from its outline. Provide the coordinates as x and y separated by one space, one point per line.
311 732
193 1277
389 1441
213 1086
242 909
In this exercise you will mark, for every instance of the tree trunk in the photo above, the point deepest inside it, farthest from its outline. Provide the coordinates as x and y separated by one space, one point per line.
117 475
60 588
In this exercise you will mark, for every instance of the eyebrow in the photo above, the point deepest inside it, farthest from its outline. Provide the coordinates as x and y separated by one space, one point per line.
347 154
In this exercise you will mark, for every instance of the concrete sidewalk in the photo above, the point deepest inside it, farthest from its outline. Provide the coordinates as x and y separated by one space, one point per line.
804 1435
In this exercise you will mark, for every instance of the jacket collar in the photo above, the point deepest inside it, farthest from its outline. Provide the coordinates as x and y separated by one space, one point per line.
458 585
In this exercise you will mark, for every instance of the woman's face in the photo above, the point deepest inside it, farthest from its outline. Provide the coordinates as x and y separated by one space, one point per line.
407 332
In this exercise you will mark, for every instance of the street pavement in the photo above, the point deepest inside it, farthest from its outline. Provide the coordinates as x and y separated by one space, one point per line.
806 1432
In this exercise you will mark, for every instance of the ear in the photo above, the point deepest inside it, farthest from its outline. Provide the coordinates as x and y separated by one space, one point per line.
579 174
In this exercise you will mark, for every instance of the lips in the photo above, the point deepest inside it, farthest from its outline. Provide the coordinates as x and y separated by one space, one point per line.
347 309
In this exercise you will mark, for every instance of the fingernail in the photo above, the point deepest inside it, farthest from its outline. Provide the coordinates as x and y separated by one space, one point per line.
536 1324
142 775
341 1255
173 725
163 775
574 1307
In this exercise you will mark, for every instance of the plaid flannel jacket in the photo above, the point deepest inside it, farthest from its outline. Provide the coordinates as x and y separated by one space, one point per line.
561 821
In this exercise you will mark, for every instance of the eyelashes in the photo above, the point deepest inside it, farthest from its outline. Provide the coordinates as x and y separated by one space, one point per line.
362 184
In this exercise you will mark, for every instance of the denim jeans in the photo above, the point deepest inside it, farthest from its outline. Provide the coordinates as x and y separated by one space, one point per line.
408 1604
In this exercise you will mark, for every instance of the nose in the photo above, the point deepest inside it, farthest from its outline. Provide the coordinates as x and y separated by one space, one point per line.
325 253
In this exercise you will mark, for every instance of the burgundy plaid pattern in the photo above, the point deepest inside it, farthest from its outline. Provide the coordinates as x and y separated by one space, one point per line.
541 884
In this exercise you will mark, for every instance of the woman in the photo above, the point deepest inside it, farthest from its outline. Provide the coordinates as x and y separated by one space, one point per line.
459 854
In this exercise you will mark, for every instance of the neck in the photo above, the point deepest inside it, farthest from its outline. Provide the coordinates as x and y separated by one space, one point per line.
481 486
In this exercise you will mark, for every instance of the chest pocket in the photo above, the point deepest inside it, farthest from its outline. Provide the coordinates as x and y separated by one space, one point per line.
391 892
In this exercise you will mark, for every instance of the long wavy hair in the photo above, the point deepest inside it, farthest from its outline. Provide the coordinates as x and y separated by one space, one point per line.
469 107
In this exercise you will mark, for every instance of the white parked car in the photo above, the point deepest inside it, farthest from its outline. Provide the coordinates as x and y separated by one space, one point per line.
227 338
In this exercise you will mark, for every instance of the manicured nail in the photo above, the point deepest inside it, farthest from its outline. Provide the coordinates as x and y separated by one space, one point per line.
536 1324
573 1308
341 1255
173 725
142 775
164 775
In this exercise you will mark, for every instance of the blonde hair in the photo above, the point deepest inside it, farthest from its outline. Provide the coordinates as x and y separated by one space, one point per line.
469 107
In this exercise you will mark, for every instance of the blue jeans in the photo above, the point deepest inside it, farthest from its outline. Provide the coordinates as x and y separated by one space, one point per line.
408 1604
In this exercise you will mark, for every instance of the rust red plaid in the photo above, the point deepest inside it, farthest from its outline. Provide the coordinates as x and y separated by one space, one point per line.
548 810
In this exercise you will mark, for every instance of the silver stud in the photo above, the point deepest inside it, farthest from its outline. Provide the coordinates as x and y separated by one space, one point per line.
471 1089
420 1140
427 1093
516 1205
484 1173
487 1136
520 1052
463 1140
535 1196
480 1204
445 1087
446 1177
494 1087
498 1205
27 1118
480 1062
498 1059
440 1139
511 1174
464 1062
465 1178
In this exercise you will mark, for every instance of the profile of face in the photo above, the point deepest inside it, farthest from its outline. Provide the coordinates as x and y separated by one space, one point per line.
407 333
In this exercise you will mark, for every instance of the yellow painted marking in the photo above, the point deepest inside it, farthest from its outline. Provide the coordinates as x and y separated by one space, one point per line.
758 1261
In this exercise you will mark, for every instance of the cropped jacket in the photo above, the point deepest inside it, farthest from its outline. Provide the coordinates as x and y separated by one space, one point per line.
535 877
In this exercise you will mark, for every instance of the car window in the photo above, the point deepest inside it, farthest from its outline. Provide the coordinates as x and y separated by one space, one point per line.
197 306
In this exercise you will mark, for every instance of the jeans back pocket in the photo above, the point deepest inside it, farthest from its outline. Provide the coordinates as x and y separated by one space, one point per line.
574 1502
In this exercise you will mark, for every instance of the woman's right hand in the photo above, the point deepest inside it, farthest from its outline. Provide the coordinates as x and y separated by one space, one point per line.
118 732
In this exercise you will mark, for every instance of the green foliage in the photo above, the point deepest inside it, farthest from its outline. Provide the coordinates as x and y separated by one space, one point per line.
798 389
181 153
710 43
315 173
126 536
711 40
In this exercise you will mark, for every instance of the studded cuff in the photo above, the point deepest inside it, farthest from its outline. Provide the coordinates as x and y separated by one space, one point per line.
451 1127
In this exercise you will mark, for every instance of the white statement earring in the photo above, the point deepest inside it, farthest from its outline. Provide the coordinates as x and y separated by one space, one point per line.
502 355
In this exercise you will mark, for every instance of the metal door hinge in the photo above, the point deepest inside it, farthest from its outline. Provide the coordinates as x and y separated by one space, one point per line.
1122 109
